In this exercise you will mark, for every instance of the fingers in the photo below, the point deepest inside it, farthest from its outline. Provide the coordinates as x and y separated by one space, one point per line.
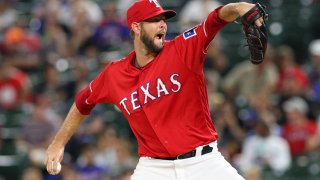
259 21
52 167
53 158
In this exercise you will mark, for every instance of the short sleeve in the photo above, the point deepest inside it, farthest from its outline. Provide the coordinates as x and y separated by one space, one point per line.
192 45
96 92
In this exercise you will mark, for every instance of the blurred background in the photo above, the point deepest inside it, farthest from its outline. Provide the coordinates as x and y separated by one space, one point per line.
267 116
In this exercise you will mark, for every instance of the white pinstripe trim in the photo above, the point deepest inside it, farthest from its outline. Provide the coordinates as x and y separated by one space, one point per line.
205 51
87 102
90 86
204 28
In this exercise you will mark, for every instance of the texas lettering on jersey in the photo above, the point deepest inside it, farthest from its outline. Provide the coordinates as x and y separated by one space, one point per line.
161 88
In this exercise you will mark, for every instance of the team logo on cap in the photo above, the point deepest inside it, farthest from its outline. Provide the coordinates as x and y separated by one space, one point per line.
155 2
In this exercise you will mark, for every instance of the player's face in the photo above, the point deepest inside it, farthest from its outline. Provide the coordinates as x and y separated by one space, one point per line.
153 32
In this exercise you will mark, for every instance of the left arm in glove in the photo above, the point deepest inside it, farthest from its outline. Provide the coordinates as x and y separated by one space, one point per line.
253 17
256 35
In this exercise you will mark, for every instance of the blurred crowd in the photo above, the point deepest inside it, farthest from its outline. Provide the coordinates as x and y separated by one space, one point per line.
267 116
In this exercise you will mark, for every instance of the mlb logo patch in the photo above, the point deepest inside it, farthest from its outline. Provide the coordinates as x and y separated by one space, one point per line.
190 33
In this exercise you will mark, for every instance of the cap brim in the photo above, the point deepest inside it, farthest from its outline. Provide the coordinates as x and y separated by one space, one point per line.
167 13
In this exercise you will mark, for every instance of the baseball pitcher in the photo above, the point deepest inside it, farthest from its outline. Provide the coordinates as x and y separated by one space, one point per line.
161 90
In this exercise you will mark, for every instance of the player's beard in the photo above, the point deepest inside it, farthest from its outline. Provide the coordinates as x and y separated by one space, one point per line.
149 43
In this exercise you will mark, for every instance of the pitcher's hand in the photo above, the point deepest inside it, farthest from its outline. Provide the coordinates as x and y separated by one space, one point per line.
54 155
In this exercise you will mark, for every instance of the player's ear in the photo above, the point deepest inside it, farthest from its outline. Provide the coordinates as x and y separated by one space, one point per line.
136 27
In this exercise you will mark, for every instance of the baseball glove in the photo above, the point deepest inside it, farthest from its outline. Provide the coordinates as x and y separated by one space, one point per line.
256 36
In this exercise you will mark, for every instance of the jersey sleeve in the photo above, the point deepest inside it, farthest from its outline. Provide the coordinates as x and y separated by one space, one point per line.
96 92
192 45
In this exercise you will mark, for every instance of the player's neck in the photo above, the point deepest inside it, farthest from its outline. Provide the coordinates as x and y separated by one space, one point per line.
143 56
142 60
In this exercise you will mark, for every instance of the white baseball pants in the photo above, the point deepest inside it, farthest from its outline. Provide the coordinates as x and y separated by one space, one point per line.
211 166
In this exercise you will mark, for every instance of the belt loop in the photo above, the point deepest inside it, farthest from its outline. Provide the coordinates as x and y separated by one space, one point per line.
198 151
213 145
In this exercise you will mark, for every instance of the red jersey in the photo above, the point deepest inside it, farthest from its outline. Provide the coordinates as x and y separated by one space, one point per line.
165 102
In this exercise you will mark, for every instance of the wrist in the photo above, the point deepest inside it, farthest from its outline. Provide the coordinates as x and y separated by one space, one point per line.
57 143
243 7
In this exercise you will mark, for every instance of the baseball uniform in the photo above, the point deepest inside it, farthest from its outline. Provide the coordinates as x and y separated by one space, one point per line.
166 105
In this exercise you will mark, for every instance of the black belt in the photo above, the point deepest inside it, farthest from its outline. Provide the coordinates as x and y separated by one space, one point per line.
205 150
